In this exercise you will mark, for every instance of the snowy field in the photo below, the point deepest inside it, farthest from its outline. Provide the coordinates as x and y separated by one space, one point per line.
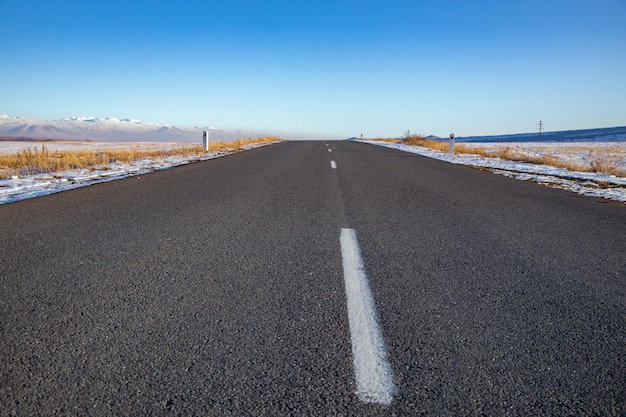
590 184
10 147
586 183
578 153
23 187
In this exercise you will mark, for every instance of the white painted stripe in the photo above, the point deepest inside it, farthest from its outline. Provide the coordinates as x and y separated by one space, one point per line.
330 150
374 376
333 164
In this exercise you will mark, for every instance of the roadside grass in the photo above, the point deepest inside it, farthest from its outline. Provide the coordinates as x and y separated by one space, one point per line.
600 159
607 160
519 155
419 140
34 160
603 160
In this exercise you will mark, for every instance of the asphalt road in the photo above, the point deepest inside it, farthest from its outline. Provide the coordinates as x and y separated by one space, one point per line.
217 288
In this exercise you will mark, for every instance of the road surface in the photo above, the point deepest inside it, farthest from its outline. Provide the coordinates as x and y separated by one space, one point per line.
224 288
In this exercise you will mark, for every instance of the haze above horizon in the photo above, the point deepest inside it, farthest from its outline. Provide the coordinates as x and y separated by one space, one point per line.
342 69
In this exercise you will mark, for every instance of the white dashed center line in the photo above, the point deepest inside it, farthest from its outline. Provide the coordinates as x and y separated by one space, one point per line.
333 164
374 376
330 150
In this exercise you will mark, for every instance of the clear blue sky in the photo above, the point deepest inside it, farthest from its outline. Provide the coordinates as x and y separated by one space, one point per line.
340 68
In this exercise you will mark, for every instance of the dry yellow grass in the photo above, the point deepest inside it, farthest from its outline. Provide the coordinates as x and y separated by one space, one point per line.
34 160
601 160
510 155
418 140
604 160
391 140
607 160
427 143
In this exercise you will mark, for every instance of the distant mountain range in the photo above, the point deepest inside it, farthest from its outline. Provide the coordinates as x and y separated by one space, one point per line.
129 130
108 130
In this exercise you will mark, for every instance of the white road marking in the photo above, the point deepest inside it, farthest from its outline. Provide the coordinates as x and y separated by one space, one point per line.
330 150
375 381
333 164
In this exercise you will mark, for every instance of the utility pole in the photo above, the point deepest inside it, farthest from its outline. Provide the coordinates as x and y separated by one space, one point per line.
540 129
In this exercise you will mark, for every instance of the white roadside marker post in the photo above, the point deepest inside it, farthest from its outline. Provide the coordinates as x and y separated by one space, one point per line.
452 144
205 140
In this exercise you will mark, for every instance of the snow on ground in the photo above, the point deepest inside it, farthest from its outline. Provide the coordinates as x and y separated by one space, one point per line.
11 147
24 187
585 183
577 153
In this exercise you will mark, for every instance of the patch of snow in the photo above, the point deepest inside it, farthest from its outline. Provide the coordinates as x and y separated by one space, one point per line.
586 183
19 188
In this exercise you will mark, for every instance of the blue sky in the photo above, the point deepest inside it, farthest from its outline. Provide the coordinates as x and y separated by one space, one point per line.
337 68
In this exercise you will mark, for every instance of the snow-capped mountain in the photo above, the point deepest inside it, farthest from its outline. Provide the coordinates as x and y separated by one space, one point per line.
107 129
